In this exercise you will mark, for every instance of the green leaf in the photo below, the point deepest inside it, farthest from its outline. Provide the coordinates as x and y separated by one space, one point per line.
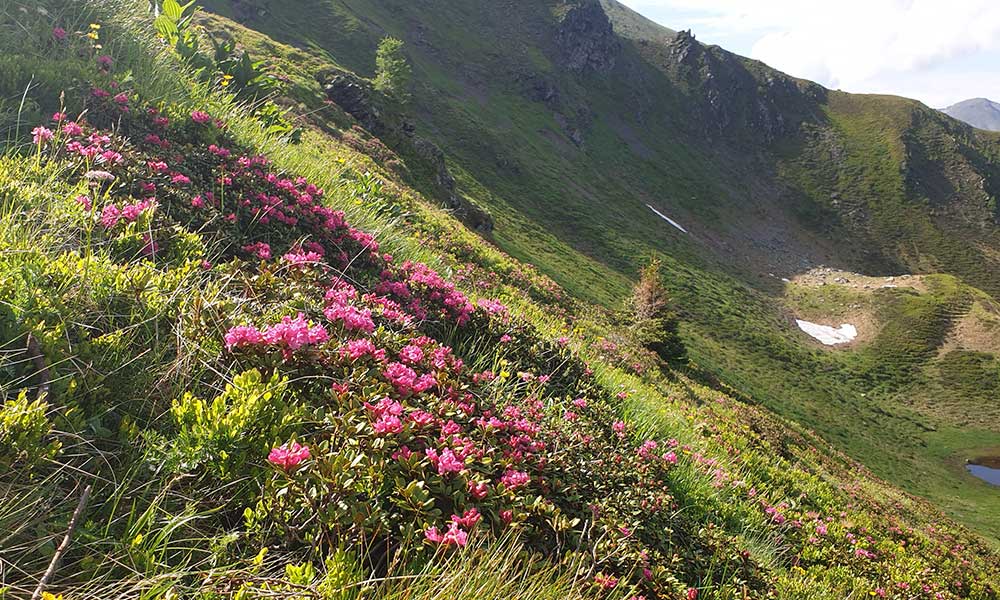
173 10
165 26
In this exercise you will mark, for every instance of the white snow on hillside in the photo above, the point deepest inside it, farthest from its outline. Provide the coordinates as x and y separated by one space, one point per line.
828 335
668 219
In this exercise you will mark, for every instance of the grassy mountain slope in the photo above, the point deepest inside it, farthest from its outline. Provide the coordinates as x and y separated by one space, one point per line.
568 125
189 300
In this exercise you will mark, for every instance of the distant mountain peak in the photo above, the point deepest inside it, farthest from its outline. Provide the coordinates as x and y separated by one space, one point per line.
978 112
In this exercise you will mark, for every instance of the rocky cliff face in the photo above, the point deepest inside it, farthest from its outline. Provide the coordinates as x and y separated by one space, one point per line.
586 39
734 99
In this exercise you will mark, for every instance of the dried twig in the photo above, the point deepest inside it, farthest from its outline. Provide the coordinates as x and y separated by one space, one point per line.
41 368
64 545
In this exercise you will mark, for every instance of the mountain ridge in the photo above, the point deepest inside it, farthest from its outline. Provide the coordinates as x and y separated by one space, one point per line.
978 112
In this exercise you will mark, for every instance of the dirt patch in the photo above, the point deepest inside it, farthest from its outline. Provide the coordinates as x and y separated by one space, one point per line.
833 297
993 462
977 331
827 276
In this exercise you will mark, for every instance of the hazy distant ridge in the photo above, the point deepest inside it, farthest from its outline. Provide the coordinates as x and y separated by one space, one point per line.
978 112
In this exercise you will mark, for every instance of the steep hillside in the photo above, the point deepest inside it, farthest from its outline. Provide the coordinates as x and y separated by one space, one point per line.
978 112
594 138
244 360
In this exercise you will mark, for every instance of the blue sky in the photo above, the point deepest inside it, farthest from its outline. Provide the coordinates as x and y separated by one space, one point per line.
939 52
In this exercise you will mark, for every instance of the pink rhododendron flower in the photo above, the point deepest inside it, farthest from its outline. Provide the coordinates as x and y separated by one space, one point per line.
356 349
468 519
385 406
580 403
450 428
110 157
288 456
85 202
220 152
157 166
411 354
121 98
71 128
421 418
446 462
292 334
300 258
201 117
647 448
261 250
400 376
243 335
605 581
110 216
131 212
478 489
453 537
692 594
180 179
449 463
41 135
512 479
197 202
59 34
492 307
387 425
104 61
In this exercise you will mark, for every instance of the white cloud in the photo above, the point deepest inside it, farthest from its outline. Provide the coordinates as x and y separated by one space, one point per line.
856 45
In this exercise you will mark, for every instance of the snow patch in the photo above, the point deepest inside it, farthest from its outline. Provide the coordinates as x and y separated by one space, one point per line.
667 219
829 335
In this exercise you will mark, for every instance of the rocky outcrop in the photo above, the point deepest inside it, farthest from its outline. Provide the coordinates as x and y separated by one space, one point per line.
357 98
473 215
732 95
586 38
539 88
246 11
354 96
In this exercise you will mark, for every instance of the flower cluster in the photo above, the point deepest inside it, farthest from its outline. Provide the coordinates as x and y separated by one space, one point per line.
288 456
288 335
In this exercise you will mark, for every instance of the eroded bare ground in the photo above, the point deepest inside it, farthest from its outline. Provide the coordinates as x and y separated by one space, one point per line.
829 276
978 330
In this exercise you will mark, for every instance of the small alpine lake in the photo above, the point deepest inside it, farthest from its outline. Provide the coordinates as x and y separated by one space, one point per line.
987 469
